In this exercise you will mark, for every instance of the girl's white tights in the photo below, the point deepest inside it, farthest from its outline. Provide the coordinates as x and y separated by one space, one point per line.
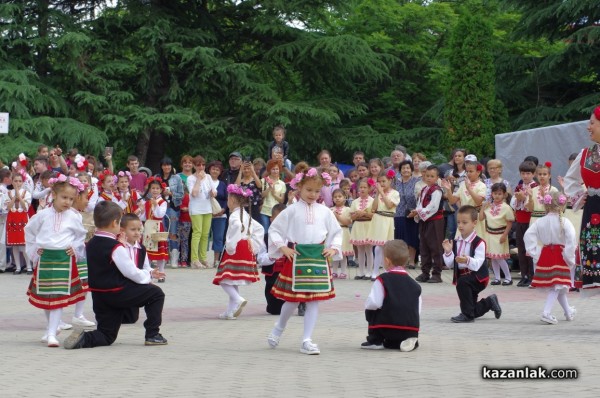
16 252
79 308
234 296
310 318
561 296
53 317
342 265
365 260
378 261
499 263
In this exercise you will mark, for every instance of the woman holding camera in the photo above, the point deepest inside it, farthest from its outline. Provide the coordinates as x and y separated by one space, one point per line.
405 227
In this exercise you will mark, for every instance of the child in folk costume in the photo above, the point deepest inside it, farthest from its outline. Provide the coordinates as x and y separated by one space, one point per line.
470 192
381 228
17 205
394 304
130 197
271 269
430 216
471 276
497 217
44 194
54 240
535 197
155 209
242 243
556 257
108 189
361 214
310 228
342 214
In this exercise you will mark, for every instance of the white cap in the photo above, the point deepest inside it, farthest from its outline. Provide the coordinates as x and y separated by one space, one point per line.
470 158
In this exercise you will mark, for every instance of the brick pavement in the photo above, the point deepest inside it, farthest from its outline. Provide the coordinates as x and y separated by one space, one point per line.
210 357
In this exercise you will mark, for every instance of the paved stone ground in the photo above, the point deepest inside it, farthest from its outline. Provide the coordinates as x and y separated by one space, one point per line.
211 357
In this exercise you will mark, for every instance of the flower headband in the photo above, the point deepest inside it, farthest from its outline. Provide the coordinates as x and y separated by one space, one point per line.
312 172
157 179
125 174
74 182
548 165
239 190
371 182
23 159
479 167
390 174
597 112
562 199
81 163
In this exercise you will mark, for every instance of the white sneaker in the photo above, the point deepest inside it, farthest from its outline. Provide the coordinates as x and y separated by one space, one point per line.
409 344
227 315
44 338
309 348
81 321
548 318
52 342
64 326
174 258
238 310
571 316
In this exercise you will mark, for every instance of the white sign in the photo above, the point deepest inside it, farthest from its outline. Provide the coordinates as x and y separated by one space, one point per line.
3 123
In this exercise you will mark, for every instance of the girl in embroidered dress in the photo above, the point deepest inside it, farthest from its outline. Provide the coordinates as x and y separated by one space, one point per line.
242 244
535 196
54 240
17 205
471 191
342 214
375 168
381 228
582 184
130 197
155 209
361 215
557 255
108 190
497 217
303 224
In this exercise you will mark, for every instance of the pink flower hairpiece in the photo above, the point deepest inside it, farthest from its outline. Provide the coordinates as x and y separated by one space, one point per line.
311 172
74 182
125 174
81 163
371 182
239 190
390 174
296 180
326 177
547 199
58 178
562 199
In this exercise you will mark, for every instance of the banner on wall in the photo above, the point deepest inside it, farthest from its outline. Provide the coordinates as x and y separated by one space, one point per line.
3 123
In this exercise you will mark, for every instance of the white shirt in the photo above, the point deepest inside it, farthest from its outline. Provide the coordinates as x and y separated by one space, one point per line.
158 211
121 256
548 231
306 224
235 234
463 248
426 212
49 229
200 204
377 294
39 192
25 195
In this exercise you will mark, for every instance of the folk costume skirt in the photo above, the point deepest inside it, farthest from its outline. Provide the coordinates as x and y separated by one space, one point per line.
239 268
15 227
55 282
551 270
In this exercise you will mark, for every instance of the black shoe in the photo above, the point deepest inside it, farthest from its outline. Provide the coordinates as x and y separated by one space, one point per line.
495 282
156 340
435 279
574 289
2 271
461 318
422 278
359 278
301 309
75 340
524 282
507 283
352 263
370 346
411 267
495 305
11 268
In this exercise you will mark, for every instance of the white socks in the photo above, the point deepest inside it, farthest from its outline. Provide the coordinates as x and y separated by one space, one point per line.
498 264
562 300
378 261
365 259
310 319
342 265
234 296
552 296
287 309
53 321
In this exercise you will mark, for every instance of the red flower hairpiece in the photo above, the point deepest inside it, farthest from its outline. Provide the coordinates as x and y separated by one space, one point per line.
597 112
548 164
479 167
371 182
23 159
391 174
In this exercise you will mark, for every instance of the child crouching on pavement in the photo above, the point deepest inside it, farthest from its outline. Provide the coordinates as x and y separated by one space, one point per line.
117 284
394 304
471 276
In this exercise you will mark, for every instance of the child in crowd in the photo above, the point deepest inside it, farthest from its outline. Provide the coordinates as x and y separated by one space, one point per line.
556 257
342 214
242 243
361 214
184 228
353 177
117 284
129 197
17 205
271 272
5 180
131 229
375 168
345 186
108 189
494 169
497 217
430 216
311 228
535 197
394 304
467 256
54 239
381 228
327 191
279 141
522 218
44 195
155 209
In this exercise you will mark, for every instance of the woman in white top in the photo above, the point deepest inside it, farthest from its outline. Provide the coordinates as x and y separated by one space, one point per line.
273 192
201 191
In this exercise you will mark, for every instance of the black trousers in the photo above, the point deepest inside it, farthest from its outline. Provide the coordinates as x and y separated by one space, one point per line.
525 262
390 338
110 307
131 315
468 289
431 236
273 303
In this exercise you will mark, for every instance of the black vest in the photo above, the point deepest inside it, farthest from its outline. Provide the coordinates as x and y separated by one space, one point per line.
103 274
400 309
141 257
482 273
